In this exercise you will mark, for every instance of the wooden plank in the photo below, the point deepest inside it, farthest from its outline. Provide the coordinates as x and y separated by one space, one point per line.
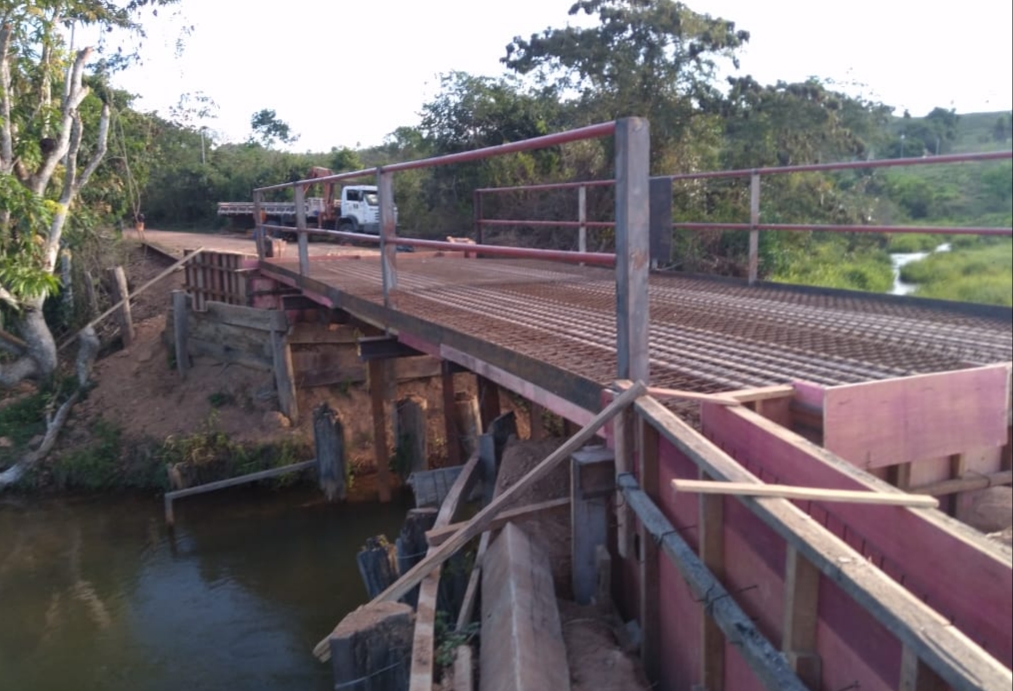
121 295
523 636
221 353
284 376
965 484
247 317
480 522
910 424
304 333
381 451
633 251
801 617
808 493
437 536
763 393
964 664
425 614
170 497
625 449
770 667
712 554
648 566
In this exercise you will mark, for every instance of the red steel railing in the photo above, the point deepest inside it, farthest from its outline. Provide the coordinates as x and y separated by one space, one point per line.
754 226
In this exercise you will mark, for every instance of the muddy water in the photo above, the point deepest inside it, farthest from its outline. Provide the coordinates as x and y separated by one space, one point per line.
96 594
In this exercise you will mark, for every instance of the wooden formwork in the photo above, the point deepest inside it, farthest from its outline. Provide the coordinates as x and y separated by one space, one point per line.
218 277
854 596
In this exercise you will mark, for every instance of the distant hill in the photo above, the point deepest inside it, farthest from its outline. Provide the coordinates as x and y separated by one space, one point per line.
972 132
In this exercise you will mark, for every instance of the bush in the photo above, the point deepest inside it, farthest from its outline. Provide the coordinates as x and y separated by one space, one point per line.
980 271
95 467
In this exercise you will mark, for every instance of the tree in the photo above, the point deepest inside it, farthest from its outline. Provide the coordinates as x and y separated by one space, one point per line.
49 150
268 129
653 58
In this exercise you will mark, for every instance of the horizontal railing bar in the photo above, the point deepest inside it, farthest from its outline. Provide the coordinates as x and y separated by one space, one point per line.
337 177
544 224
929 230
366 237
846 165
590 132
595 258
547 186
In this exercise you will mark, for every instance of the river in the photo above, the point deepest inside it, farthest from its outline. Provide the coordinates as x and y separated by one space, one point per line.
900 259
96 594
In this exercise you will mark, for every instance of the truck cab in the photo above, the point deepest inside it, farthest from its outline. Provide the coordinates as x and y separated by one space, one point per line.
358 210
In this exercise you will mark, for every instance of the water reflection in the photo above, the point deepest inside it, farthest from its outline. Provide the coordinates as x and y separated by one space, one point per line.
95 595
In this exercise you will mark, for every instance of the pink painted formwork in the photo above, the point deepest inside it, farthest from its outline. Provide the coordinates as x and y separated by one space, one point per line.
915 419
966 579
853 646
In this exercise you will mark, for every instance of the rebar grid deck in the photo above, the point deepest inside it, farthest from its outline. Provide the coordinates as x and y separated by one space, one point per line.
706 334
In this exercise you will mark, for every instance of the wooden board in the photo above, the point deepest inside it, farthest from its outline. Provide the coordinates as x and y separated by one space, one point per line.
916 418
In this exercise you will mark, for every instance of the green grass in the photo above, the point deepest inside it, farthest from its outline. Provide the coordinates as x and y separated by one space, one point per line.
975 271
832 265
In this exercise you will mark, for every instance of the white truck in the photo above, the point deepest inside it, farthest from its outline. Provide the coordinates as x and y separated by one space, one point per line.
357 210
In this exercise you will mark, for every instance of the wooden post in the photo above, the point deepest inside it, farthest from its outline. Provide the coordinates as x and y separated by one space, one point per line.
582 218
633 143
388 234
300 225
329 444
712 554
412 445
537 422
592 481
488 401
650 589
118 281
371 648
412 544
259 235
490 451
377 565
377 391
801 614
179 331
754 233
467 422
284 375
449 416
632 213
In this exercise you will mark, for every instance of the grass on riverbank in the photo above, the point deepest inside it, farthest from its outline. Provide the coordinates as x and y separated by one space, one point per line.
977 270
833 265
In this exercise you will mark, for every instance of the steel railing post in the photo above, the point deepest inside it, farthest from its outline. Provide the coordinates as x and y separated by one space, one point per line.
388 234
300 226
754 221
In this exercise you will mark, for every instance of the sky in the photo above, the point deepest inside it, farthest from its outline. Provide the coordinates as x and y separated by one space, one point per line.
344 73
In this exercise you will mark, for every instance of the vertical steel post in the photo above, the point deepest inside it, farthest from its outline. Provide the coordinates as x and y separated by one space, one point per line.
582 218
258 225
633 146
754 233
388 234
300 225
476 208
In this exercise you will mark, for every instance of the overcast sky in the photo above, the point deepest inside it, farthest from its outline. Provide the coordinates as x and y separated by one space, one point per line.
346 73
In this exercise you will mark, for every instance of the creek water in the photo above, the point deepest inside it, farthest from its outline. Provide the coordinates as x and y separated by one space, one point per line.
97 594
900 259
